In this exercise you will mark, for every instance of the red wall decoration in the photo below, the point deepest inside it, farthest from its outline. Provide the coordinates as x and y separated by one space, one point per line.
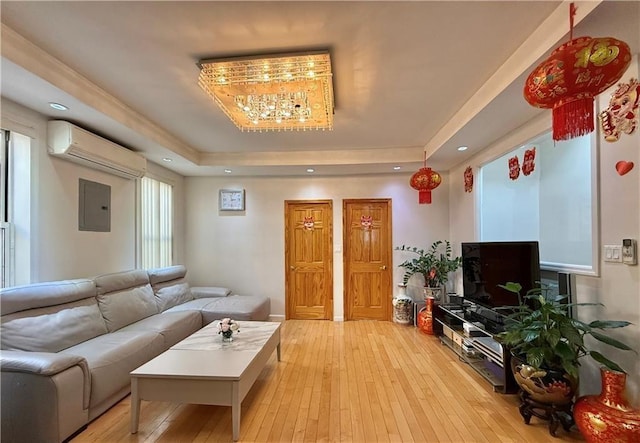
622 114
514 168
622 167
468 179
529 161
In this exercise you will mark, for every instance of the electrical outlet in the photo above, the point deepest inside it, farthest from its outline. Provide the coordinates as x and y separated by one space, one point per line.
613 253
629 254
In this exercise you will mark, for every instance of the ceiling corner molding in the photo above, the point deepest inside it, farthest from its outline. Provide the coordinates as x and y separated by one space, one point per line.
31 57
300 158
548 34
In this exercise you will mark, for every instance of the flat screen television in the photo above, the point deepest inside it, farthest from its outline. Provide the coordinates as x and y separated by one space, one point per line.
485 265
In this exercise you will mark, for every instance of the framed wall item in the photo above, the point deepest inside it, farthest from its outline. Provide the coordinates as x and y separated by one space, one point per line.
231 200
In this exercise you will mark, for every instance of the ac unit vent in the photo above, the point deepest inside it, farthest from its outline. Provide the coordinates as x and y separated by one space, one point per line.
70 142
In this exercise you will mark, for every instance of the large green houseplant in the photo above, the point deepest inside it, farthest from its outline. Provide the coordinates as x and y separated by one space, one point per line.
548 338
434 264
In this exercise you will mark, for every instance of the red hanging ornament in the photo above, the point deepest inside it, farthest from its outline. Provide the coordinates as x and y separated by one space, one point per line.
514 168
572 76
529 161
425 180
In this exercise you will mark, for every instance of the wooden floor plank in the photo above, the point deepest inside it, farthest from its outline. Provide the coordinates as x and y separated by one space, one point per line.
357 381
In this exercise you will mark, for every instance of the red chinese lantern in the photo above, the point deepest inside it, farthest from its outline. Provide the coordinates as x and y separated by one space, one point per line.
572 76
425 180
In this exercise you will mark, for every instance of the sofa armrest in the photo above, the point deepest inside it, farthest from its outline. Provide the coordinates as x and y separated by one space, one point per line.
44 396
41 363
209 291
45 364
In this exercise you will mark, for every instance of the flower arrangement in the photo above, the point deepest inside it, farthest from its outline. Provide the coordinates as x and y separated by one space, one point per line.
227 327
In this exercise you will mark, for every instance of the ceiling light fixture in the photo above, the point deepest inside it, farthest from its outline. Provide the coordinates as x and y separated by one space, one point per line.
311 170
462 148
283 92
58 106
396 168
167 159
227 171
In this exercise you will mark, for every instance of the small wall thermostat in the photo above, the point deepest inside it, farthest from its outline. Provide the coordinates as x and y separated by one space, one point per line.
629 252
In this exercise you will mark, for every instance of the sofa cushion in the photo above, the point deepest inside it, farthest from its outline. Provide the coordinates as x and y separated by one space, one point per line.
170 286
168 273
238 307
210 291
111 357
170 294
53 328
39 295
173 326
125 297
50 316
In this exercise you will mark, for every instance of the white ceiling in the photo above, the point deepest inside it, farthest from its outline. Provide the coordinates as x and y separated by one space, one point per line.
409 77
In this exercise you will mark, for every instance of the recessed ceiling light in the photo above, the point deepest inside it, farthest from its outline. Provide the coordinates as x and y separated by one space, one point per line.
227 171
310 170
167 159
463 148
58 106
396 168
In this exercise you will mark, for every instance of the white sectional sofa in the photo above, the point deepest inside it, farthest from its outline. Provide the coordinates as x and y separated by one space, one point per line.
67 347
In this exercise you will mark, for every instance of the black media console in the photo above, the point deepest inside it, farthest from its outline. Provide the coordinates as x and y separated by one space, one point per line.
468 330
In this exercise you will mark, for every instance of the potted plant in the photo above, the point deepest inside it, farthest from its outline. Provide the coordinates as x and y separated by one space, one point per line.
434 264
546 344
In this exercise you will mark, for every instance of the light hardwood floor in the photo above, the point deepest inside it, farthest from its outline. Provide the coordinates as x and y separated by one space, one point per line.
360 381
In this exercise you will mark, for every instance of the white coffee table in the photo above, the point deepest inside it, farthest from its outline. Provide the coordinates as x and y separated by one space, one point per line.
202 369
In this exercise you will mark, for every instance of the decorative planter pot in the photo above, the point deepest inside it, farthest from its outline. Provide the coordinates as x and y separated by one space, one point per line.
546 394
402 306
435 293
543 385
608 417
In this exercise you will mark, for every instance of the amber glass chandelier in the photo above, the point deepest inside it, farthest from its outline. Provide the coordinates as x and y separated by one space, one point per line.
284 92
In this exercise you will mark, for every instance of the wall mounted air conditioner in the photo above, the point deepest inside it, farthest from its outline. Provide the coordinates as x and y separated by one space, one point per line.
70 142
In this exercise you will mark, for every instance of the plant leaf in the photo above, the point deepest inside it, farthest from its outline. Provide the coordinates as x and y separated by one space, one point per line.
605 361
535 357
512 287
609 324
611 341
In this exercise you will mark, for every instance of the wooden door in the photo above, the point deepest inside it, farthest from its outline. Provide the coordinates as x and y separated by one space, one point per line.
309 259
367 259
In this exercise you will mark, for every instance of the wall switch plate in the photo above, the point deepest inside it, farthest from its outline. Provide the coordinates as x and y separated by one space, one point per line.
613 253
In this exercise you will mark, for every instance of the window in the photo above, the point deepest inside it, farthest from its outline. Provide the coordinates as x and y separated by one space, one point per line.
15 208
6 228
156 223
555 204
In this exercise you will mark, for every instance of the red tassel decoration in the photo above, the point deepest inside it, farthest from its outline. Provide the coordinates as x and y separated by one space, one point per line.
573 119
424 197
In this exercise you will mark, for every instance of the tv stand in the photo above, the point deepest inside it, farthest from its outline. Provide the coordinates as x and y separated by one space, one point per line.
469 332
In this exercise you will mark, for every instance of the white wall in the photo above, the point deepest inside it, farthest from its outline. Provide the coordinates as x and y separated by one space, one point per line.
618 286
245 251
58 249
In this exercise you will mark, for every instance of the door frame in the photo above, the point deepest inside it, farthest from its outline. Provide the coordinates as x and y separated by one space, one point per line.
345 265
329 283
